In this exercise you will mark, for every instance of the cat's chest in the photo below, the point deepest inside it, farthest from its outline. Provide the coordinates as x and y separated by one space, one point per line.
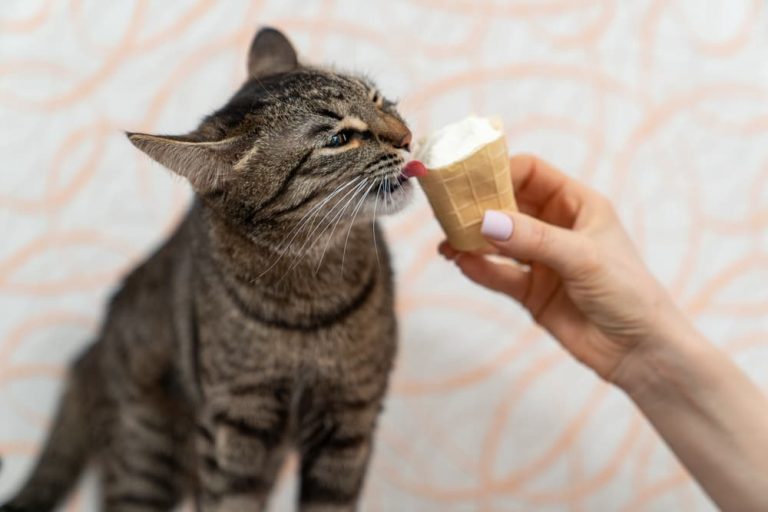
327 362
330 344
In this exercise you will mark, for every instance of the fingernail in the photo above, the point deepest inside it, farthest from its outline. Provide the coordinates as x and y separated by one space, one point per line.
496 225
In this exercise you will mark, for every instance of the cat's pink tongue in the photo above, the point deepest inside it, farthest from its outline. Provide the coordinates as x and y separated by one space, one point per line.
414 169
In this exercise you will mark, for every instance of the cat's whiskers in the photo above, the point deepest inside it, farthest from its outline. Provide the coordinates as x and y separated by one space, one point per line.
304 221
302 252
373 224
330 237
317 223
352 223
323 226
316 209
387 194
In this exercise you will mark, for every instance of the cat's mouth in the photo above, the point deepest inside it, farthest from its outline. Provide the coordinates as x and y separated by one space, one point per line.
393 184
390 192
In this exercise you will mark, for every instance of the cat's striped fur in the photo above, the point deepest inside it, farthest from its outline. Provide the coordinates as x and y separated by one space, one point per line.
265 323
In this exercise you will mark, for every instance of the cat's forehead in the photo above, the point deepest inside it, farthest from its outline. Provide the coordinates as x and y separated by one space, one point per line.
313 84
296 91
309 84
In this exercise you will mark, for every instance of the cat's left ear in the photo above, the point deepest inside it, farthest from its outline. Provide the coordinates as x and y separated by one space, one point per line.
207 165
271 53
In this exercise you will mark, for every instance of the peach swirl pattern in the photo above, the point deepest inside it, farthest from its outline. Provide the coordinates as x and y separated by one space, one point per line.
663 104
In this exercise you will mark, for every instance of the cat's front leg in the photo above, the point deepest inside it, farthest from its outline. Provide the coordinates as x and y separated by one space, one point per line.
333 468
241 444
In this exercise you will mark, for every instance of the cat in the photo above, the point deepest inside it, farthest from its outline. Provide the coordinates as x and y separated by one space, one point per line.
264 324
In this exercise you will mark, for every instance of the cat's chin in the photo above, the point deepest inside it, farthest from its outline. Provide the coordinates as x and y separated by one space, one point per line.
390 201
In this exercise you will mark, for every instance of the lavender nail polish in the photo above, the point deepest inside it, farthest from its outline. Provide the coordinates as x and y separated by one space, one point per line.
496 225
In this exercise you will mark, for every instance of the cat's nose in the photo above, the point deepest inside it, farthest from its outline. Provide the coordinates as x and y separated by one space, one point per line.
405 142
393 131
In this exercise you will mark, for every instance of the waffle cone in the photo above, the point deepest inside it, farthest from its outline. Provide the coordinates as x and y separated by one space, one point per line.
460 193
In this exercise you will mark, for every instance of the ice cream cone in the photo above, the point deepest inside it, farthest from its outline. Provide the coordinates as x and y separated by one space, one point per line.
459 193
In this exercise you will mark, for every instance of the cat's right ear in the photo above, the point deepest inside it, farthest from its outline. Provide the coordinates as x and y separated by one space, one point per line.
271 53
205 164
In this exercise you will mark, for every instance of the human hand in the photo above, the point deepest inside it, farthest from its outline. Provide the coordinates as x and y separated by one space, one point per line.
586 283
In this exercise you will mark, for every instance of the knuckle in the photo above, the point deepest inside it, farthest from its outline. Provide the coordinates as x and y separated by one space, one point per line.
526 159
540 237
603 203
590 262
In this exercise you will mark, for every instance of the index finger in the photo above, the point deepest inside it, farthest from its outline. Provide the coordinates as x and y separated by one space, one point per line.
535 181
547 193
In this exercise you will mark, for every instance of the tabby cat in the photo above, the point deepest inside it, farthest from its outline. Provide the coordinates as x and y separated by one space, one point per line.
264 324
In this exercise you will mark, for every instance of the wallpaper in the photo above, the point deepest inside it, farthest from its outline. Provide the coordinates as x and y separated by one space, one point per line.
661 104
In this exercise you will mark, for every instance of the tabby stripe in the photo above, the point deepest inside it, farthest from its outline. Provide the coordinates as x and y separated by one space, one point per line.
234 483
331 170
306 199
210 463
316 322
312 442
148 424
317 491
212 467
329 113
269 437
237 485
140 501
246 485
165 460
251 388
205 434
382 158
159 480
362 404
321 128
345 443
279 389
375 171
286 181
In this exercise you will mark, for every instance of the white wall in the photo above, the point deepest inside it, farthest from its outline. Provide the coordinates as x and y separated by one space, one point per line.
661 104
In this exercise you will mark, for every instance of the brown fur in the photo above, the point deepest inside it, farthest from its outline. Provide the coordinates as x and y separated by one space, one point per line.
264 324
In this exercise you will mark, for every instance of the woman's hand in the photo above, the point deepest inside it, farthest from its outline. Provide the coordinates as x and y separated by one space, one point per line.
588 287
586 284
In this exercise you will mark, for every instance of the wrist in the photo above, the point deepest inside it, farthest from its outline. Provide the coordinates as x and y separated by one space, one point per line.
659 366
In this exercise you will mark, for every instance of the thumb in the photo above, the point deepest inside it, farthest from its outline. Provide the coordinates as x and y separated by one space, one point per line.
523 237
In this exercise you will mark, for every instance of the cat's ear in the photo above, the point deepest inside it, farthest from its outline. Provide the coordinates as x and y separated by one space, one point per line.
205 164
271 53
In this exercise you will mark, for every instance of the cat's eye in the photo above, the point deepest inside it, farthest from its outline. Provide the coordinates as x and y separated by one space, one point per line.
339 139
